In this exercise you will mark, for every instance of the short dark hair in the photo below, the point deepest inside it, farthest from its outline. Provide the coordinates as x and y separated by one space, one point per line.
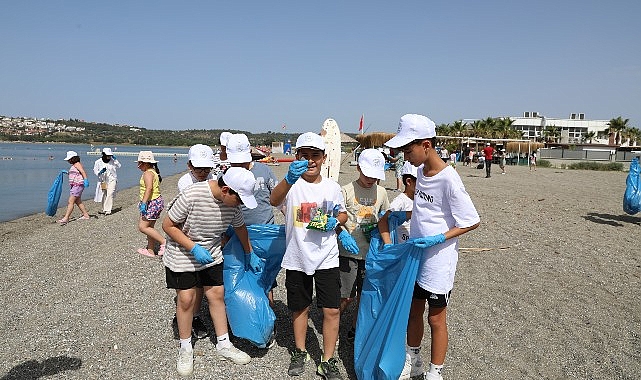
407 177
74 159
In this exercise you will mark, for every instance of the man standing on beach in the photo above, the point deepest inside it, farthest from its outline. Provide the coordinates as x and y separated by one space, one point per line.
488 152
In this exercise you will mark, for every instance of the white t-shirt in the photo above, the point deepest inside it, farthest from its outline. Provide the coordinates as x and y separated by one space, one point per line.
309 250
188 179
402 203
440 203
203 219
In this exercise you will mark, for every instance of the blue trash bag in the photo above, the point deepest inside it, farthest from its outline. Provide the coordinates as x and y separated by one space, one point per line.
53 198
248 310
390 275
632 196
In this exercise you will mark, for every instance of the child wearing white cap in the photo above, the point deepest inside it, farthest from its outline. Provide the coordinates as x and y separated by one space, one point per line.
195 222
442 211
364 201
405 200
151 203
105 168
200 161
311 254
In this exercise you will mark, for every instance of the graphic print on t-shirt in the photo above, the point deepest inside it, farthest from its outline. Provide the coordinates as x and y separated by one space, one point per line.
304 212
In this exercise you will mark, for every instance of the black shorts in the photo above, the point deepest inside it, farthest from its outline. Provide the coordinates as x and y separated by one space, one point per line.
433 299
352 275
212 276
300 288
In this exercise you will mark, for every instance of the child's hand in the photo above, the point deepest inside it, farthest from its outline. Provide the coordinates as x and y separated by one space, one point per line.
201 255
348 242
86 183
142 207
254 263
428 241
296 169
331 223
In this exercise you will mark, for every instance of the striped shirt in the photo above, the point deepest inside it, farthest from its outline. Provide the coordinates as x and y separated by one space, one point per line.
203 219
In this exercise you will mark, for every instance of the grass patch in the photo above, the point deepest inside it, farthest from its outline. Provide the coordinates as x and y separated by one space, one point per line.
543 164
586 165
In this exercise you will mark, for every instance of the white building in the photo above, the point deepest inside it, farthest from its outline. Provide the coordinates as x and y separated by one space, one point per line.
571 130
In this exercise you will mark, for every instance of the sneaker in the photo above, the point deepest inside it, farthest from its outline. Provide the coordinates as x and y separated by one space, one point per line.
329 370
407 368
431 376
185 364
417 367
62 222
297 362
198 328
234 354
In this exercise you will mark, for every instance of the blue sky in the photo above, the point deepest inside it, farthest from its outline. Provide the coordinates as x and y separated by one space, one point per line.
256 65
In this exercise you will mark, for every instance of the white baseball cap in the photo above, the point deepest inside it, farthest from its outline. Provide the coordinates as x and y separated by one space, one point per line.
412 127
310 140
70 154
201 156
409 169
224 137
372 163
238 149
107 151
242 181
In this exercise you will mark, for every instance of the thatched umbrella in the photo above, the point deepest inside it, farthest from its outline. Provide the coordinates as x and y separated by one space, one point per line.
346 139
374 139
522 146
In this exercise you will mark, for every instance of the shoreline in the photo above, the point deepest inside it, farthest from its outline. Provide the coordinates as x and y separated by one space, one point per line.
546 287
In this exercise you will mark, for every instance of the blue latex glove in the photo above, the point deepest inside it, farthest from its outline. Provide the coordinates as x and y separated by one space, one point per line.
142 207
201 255
348 242
296 169
398 216
86 183
254 263
331 223
102 171
385 246
114 158
428 241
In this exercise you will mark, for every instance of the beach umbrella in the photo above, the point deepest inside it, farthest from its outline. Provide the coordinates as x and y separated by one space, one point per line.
54 194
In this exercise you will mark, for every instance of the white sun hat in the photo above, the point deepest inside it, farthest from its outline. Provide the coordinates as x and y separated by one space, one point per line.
238 149
201 156
242 181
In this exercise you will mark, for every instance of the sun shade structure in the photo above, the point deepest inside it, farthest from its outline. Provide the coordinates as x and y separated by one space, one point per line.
374 139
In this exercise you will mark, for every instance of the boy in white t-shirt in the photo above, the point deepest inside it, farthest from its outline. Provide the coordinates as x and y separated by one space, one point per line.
442 211
311 254
364 201
405 201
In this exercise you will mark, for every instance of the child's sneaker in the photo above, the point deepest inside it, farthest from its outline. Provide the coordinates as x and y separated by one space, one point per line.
185 364
407 368
297 362
431 376
417 367
329 370
234 354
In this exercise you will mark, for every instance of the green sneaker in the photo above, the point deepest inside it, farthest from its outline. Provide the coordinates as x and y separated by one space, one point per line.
297 362
329 370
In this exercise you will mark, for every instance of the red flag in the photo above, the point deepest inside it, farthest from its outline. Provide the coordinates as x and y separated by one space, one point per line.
360 126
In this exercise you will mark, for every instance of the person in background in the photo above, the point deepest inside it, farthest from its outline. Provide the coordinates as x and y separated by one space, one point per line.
533 161
364 201
221 162
151 203
453 159
195 222
200 161
105 168
396 157
442 211
405 201
488 153
78 181
503 158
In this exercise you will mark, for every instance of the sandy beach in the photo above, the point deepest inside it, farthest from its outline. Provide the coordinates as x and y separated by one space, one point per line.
548 287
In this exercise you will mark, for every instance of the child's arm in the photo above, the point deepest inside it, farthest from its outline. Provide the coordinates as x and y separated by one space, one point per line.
252 261
457 231
78 166
243 237
296 169
279 193
383 223
148 178
173 230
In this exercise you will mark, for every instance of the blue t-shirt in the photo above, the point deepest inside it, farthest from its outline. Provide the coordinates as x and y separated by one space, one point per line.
265 183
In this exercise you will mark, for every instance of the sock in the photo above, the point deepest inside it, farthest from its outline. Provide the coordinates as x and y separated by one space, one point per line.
223 341
186 343
436 369
413 351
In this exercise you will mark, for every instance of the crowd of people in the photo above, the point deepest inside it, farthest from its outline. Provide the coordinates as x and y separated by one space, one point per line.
327 234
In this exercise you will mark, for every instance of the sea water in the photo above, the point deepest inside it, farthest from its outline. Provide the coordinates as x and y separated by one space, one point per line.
27 171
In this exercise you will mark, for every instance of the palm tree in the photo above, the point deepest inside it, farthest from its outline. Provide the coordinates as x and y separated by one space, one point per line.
616 126
551 133
504 127
458 128
589 136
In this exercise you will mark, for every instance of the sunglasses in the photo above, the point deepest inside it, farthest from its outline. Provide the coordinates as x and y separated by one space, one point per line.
202 170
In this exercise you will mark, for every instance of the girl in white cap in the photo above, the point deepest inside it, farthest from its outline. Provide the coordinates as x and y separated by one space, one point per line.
151 203
78 181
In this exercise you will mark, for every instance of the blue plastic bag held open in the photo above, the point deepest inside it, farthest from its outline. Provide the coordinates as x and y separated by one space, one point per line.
390 274
53 197
248 311
632 196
